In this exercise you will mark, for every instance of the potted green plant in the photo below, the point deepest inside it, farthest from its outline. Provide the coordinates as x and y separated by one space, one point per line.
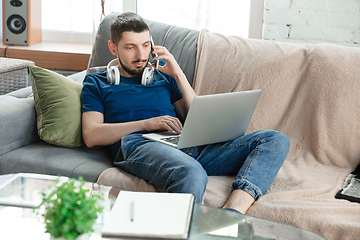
69 211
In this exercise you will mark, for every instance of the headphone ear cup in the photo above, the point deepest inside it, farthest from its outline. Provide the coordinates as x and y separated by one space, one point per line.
147 76
113 75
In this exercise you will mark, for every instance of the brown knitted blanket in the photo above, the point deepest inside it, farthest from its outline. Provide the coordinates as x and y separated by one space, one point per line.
311 94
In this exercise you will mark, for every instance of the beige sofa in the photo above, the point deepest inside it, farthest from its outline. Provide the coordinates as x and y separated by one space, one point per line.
311 94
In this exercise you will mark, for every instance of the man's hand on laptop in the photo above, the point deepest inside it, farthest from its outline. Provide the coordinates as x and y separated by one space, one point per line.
166 123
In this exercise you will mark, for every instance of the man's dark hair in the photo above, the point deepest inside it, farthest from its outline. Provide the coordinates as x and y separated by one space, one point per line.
126 22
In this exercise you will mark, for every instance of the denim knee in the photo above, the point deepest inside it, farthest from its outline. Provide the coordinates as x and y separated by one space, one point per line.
191 178
282 141
279 140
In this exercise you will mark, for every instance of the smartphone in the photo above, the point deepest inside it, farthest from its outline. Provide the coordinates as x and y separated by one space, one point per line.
154 55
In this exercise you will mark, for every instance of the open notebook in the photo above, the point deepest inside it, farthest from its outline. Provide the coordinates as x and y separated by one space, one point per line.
150 215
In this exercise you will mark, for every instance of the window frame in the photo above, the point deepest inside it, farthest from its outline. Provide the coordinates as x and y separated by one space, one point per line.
256 19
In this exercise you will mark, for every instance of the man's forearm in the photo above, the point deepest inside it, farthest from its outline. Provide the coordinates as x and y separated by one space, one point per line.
97 133
186 90
100 134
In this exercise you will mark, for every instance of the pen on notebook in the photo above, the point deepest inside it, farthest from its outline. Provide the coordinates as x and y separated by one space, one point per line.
132 211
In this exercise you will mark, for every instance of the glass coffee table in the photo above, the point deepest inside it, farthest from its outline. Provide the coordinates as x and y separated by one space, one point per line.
20 222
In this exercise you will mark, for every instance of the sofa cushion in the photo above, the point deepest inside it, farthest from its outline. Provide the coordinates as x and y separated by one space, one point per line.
58 107
44 158
216 194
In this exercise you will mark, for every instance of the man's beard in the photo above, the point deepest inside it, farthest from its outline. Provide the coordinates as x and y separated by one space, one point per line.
134 72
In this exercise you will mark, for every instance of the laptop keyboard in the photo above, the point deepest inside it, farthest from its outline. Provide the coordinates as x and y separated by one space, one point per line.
174 139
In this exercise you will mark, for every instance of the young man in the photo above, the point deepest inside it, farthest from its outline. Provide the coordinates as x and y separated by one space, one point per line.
118 115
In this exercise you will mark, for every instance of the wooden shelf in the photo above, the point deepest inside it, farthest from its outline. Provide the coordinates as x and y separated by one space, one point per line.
51 55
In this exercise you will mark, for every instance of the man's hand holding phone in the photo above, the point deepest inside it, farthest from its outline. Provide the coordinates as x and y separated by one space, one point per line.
171 67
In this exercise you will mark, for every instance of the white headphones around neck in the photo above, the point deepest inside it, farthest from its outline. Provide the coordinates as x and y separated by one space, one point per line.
113 74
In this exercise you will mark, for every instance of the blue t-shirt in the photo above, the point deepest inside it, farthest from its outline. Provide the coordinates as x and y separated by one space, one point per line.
129 101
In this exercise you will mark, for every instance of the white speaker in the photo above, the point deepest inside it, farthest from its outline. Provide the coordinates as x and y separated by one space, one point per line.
22 22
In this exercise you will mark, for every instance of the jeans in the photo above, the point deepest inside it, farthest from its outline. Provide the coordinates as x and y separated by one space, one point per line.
254 159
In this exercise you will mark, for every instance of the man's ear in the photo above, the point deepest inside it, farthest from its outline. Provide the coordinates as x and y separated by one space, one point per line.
112 48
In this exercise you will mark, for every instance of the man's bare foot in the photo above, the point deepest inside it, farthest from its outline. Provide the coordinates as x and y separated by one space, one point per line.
240 201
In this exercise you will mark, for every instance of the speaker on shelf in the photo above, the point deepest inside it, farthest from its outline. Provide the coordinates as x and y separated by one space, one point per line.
22 22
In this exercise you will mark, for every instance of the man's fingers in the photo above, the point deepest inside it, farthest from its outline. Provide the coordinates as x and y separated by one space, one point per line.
173 123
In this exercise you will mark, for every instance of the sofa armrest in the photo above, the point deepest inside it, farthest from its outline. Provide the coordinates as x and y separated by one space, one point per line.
18 122
18 117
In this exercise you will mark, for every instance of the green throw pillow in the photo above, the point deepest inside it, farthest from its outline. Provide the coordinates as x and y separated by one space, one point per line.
58 107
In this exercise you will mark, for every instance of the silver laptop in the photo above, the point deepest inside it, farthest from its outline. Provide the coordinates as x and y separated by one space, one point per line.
212 119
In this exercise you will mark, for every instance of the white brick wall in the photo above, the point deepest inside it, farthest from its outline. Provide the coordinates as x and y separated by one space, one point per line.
313 21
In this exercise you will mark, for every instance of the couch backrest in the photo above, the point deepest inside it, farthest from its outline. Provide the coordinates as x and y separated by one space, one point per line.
181 42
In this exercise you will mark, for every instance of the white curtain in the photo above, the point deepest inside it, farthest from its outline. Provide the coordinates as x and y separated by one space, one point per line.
78 20
225 16
75 20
